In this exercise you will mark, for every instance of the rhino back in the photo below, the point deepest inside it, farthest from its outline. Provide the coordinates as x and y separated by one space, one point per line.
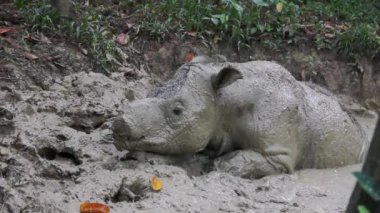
334 137
270 111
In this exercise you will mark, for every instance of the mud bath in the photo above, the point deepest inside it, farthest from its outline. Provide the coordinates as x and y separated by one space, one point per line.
56 151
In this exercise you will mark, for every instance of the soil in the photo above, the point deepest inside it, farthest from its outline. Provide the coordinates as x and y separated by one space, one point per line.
56 147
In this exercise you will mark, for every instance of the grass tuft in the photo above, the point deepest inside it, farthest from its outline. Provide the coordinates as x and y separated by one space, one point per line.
88 28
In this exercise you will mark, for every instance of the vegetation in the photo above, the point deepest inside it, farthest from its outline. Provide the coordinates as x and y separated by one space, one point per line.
349 26
88 29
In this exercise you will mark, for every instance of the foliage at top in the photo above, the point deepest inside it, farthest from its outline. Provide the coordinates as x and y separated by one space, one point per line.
349 26
88 29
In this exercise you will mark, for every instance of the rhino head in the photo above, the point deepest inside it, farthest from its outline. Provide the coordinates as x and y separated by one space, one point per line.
178 118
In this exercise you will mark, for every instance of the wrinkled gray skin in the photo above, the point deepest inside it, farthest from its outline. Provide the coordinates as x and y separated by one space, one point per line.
255 117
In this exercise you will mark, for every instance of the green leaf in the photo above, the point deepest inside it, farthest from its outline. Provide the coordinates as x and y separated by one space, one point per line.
215 20
261 28
279 7
222 18
20 4
363 209
219 19
237 7
261 3
369 185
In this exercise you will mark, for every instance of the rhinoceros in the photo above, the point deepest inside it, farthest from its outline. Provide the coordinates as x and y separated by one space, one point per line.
253 118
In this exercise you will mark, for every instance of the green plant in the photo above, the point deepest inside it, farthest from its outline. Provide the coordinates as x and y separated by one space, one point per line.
20 3
348 26
345 10
274 22
88 29
369 186
360 38
363 209
173 16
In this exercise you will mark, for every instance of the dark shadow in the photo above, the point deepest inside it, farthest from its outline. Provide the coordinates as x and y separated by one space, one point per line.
371 168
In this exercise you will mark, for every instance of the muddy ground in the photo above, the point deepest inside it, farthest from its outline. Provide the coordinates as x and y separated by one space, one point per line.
57 151
56 147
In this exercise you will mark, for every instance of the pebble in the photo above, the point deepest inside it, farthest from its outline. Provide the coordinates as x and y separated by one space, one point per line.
4 151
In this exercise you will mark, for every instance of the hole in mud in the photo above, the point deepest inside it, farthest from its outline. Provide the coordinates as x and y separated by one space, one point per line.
6 114
79 94
47 153
130 192
81 128
51 154
62 137
98 125
86 129
6 89
6 121
70 156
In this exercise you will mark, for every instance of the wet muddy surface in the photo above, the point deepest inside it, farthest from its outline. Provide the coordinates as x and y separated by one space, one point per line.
56 151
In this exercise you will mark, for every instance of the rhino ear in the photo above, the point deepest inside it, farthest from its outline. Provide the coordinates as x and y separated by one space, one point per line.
225 77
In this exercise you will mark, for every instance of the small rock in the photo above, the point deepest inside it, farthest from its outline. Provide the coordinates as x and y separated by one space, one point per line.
4 113
262 188
130 192
4 151
130 75
240 192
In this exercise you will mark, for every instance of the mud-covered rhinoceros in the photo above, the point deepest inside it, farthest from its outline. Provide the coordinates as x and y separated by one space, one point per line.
255 116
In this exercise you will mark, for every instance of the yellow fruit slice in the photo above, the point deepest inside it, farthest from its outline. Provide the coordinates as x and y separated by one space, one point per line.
156 183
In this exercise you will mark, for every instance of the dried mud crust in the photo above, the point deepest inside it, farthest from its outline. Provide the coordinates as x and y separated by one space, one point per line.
53 136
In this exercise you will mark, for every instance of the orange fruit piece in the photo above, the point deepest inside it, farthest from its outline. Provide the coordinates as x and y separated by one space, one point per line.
189 57
156 183
88 207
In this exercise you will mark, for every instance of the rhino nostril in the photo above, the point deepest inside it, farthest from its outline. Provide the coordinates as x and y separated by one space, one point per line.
123 131
120 128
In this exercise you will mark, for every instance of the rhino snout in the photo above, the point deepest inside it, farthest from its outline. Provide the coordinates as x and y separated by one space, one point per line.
123 132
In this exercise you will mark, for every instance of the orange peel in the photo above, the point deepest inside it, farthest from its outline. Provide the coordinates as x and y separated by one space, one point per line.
156 183
189 57
87 207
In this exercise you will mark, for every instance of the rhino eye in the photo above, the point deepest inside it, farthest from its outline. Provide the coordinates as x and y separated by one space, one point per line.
177 110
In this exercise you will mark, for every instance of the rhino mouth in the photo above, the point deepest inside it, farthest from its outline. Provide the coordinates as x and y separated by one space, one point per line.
134 140
128 139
